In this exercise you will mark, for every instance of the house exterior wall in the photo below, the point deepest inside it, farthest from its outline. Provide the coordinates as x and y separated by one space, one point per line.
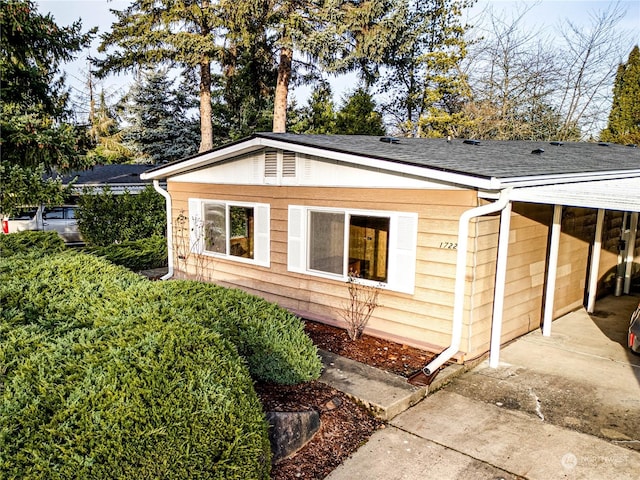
525 276
527 268
422 319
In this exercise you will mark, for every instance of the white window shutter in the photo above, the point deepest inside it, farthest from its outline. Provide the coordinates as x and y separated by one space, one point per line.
296 240
402 253
196 226
261 252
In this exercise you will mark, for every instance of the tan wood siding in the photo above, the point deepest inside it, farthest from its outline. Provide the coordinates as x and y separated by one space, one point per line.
422 319
524 280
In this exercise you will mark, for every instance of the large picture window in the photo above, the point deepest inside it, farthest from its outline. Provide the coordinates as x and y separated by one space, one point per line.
372 245
234 230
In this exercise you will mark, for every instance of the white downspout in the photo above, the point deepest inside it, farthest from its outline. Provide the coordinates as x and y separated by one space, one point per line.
552 270
594 270
631 249
500 284
461 272
167 197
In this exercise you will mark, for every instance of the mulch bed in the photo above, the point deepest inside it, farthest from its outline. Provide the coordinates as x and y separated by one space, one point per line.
345 425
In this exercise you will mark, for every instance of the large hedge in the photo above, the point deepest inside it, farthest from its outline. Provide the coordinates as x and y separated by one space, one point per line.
148 398
33 242
270 338
137 255
109 375
105 218
98 386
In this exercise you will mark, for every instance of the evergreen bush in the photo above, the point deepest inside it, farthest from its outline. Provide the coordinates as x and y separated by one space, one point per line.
150 398
271 339
33 242
108 375
136 255
105 218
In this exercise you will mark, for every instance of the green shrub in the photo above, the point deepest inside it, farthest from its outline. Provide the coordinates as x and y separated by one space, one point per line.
136 255
105 218
271 339
64 291
69 291
143 398
37 243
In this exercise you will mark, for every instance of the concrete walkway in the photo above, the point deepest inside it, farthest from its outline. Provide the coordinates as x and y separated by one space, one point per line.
565 406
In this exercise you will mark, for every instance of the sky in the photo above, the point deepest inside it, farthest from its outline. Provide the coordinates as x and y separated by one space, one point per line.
544 16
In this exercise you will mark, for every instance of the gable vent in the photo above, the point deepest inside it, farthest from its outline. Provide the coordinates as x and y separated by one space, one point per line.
270 163
288 164
471 142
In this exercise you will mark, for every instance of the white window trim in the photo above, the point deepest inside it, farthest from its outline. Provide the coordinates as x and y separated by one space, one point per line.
262 230
401 268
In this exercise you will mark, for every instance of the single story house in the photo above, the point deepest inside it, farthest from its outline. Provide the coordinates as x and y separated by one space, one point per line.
472 243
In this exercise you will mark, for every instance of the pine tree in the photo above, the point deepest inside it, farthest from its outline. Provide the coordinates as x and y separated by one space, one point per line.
159 127
106 135
358 115
319 116
149 33
624 119
423 82
34 135
335 35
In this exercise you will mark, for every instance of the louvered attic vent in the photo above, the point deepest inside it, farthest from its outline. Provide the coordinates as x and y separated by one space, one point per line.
270 163
288 164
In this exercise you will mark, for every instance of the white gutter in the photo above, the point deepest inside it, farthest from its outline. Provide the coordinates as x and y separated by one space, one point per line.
167 197
461 271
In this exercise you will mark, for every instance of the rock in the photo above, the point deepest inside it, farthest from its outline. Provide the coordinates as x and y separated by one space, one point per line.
332 404
290 431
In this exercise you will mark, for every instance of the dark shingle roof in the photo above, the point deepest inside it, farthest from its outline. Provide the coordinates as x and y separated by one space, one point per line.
109 174
488 159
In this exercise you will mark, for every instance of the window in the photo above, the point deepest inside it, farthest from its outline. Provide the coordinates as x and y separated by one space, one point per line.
232 230
376 246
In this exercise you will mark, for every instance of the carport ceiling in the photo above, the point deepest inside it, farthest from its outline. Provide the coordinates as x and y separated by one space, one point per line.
618 194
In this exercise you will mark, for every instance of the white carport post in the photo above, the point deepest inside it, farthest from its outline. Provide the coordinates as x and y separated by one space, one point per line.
501 279
630 252
552 270
594 272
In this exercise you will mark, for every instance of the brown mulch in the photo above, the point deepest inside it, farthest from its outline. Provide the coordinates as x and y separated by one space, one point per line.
345 425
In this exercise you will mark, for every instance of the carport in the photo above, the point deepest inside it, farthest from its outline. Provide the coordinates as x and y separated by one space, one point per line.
619 194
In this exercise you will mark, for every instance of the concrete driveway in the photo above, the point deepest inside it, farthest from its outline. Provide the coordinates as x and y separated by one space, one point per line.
565 406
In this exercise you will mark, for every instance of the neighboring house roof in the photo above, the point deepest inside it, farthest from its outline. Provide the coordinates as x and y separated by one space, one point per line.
488 165
117 177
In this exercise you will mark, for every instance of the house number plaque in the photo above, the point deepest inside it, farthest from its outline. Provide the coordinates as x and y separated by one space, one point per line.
449 245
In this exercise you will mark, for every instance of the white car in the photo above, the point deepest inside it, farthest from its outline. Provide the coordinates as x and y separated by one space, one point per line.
58 219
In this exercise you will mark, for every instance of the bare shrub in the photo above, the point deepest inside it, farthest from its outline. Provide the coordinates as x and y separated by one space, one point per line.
363 300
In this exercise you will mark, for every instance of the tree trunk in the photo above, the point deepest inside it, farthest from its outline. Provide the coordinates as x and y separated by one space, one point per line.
206 125
282 91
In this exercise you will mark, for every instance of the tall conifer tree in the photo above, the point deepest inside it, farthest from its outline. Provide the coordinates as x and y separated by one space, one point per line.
149 33
35 135
624 119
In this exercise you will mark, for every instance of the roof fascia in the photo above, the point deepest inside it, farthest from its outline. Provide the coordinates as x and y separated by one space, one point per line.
205 159
532 181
